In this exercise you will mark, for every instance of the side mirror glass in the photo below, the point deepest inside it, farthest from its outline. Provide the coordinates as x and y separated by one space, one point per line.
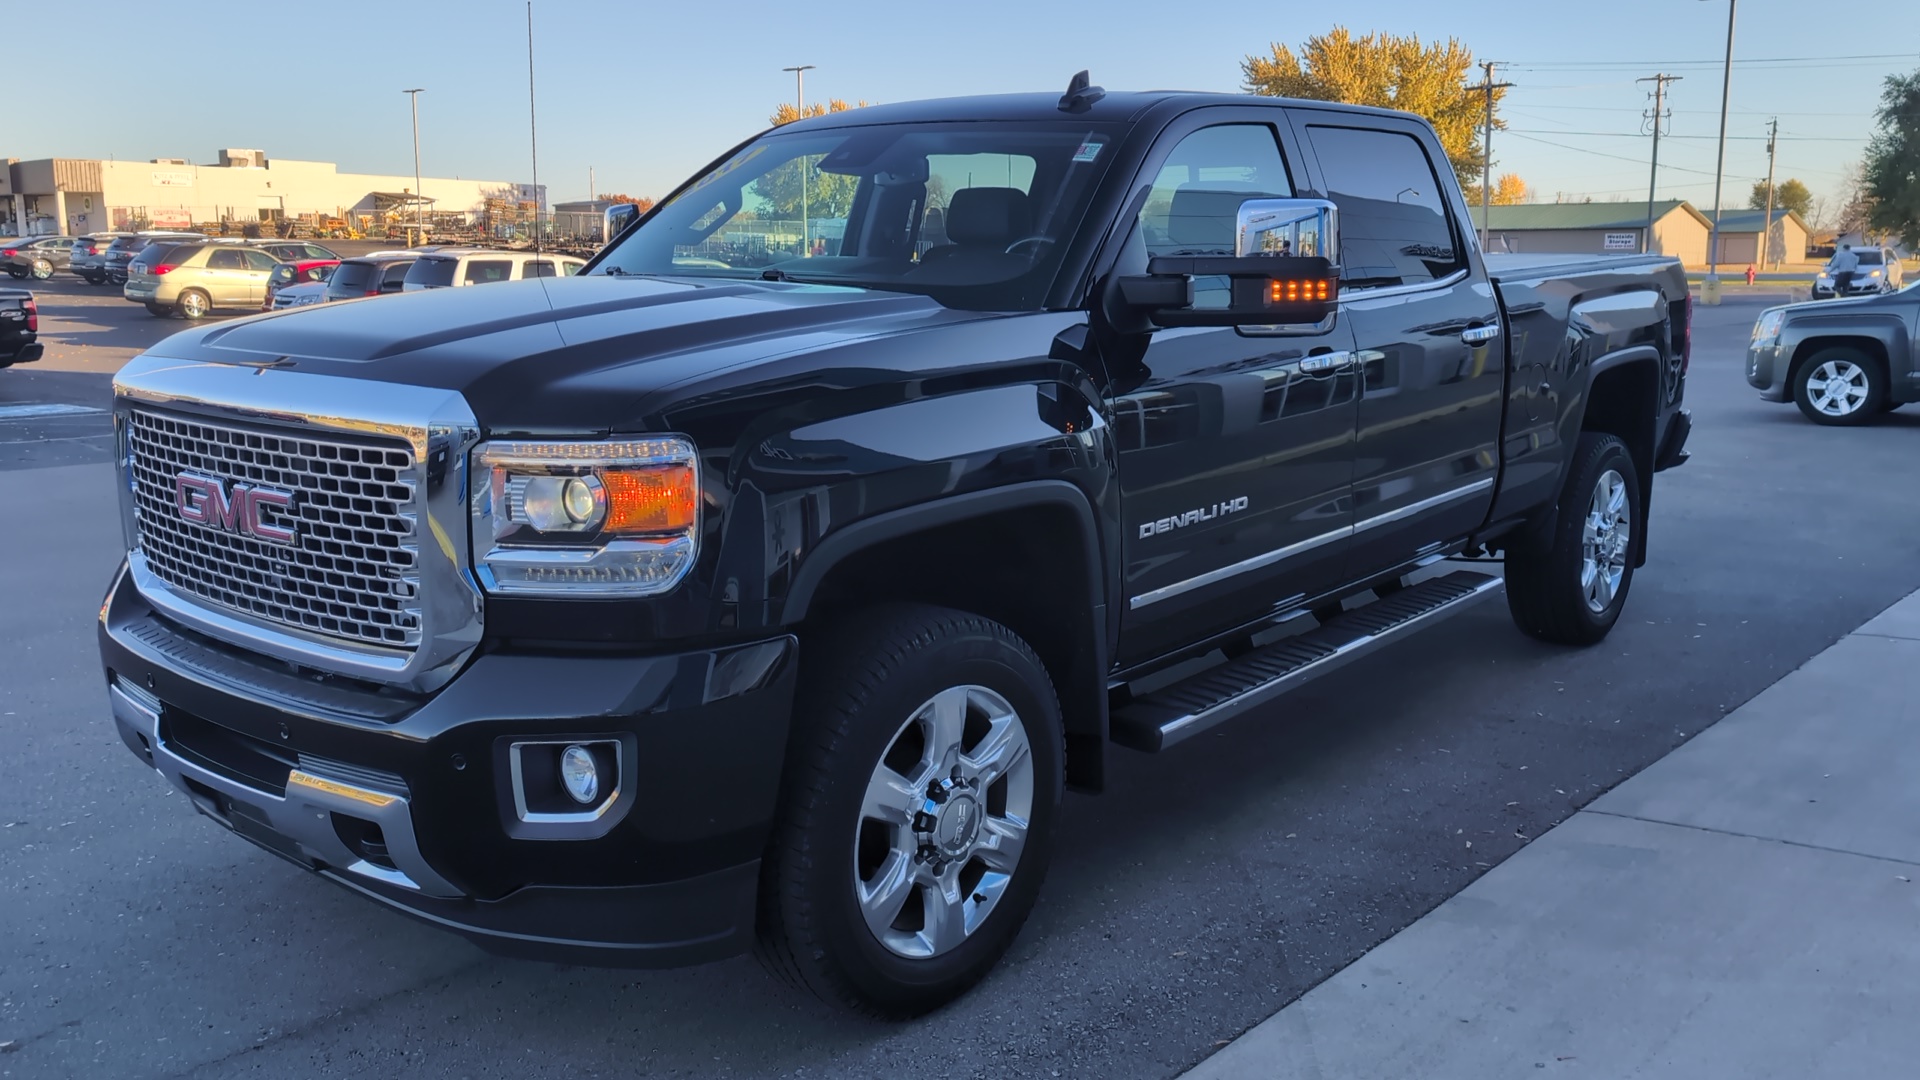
616 219
1283 277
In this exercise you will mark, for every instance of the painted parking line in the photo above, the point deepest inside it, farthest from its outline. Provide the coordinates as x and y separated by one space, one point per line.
27 412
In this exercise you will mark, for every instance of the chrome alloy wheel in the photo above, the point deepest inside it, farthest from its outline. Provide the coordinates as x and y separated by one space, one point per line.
1604 541
1838 388
193 305
943 822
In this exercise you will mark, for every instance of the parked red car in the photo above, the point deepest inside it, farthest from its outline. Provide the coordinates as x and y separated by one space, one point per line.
297 272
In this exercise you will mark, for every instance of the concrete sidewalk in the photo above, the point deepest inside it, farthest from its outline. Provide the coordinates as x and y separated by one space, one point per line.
1747 907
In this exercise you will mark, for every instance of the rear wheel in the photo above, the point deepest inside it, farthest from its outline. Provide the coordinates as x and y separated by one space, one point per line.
159 311
17 271
922 782
1840 386
95 279
1569 587
194 304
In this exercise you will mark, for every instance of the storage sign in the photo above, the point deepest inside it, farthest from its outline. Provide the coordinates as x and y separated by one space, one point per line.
1621 241
172 178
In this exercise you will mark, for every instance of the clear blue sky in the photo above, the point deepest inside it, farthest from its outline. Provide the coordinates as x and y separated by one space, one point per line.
646 92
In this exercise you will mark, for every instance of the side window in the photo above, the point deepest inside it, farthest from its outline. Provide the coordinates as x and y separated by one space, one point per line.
395 276
316 252
1198 191
539 268
1393 215
261 261
482 271
226 258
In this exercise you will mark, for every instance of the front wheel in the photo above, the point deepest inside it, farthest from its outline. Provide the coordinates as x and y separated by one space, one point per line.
1568 587
41 269
922 781
1840 386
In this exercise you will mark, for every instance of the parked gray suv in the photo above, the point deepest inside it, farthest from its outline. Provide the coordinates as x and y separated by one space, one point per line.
1844 362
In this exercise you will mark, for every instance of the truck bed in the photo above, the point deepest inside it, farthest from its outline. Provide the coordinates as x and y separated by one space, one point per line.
1534 267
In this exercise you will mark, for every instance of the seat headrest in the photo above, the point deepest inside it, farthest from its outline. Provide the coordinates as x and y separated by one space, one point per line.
1205 217
982 217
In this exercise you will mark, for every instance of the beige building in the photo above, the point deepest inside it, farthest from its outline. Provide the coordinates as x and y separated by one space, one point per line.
1599 228
1740 238
79 195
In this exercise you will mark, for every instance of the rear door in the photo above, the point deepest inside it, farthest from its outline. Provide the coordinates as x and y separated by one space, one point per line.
225 278
1235 447
1427 327
260 267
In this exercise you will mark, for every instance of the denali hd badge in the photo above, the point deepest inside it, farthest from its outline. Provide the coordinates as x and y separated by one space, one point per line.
1192 517
208 501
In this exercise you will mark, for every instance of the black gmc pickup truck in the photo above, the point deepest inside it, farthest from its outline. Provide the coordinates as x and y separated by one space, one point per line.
745 590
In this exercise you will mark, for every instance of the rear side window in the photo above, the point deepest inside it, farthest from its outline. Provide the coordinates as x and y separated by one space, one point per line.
155 254
483 271
1393 217
352 276
395 276
433 273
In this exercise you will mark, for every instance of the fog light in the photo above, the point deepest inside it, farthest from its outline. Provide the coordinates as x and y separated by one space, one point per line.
579 775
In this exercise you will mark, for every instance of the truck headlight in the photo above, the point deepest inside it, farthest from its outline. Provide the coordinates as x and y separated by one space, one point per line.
1767 327
617 517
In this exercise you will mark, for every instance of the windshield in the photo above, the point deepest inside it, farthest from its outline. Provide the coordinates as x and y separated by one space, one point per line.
1868 258
975 215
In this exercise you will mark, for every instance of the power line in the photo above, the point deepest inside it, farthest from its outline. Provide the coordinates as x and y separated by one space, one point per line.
1665 135
1616 157
1601 65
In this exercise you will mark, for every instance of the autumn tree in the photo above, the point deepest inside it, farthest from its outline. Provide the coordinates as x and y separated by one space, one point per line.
1508 190
828 195
1787 195
1388 71
1892 166
642 202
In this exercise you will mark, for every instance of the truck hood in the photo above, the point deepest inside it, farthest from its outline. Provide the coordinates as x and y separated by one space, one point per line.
561 354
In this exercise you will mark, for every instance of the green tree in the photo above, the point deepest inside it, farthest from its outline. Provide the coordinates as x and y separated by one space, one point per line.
828 195
1893 160
1385 70
1787 195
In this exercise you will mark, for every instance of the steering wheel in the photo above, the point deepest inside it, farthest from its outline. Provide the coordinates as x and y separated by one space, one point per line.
1013 248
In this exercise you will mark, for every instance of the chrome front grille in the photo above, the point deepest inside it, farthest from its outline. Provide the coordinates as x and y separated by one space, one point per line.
352 571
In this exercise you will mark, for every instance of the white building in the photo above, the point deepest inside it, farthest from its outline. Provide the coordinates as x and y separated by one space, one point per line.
80 195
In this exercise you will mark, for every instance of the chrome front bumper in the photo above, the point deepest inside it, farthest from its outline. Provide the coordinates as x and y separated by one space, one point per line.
301 825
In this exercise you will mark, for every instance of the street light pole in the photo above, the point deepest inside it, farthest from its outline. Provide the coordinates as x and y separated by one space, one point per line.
1720 167
413 96
800 112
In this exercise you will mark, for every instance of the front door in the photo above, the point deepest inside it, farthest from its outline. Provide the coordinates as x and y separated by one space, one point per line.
226 277
1235 447
260 266
1427 327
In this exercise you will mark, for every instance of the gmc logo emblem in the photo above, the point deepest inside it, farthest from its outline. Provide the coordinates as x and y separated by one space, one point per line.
208 501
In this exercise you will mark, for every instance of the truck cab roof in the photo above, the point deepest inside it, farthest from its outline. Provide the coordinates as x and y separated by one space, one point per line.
1120 106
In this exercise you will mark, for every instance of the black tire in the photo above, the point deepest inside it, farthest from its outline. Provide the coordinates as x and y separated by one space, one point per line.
858 698
1890 405
95 279
197 308
17 272
41 269
1546 590
160 311
1832 367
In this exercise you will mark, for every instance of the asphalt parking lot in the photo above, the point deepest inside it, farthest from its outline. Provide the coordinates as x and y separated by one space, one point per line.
1206 889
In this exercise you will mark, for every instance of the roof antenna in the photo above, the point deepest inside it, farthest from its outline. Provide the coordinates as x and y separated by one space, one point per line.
1080 94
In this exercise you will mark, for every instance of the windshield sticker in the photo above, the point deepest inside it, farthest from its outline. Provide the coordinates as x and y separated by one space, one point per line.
1088 151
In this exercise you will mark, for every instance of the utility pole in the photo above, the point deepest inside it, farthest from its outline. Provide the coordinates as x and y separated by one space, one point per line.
590 191
413 96
1711 291
1486 152
1766 223
800 113
1653 181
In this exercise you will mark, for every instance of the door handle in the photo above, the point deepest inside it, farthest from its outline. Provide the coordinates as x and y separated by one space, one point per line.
1479 335
1324 362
